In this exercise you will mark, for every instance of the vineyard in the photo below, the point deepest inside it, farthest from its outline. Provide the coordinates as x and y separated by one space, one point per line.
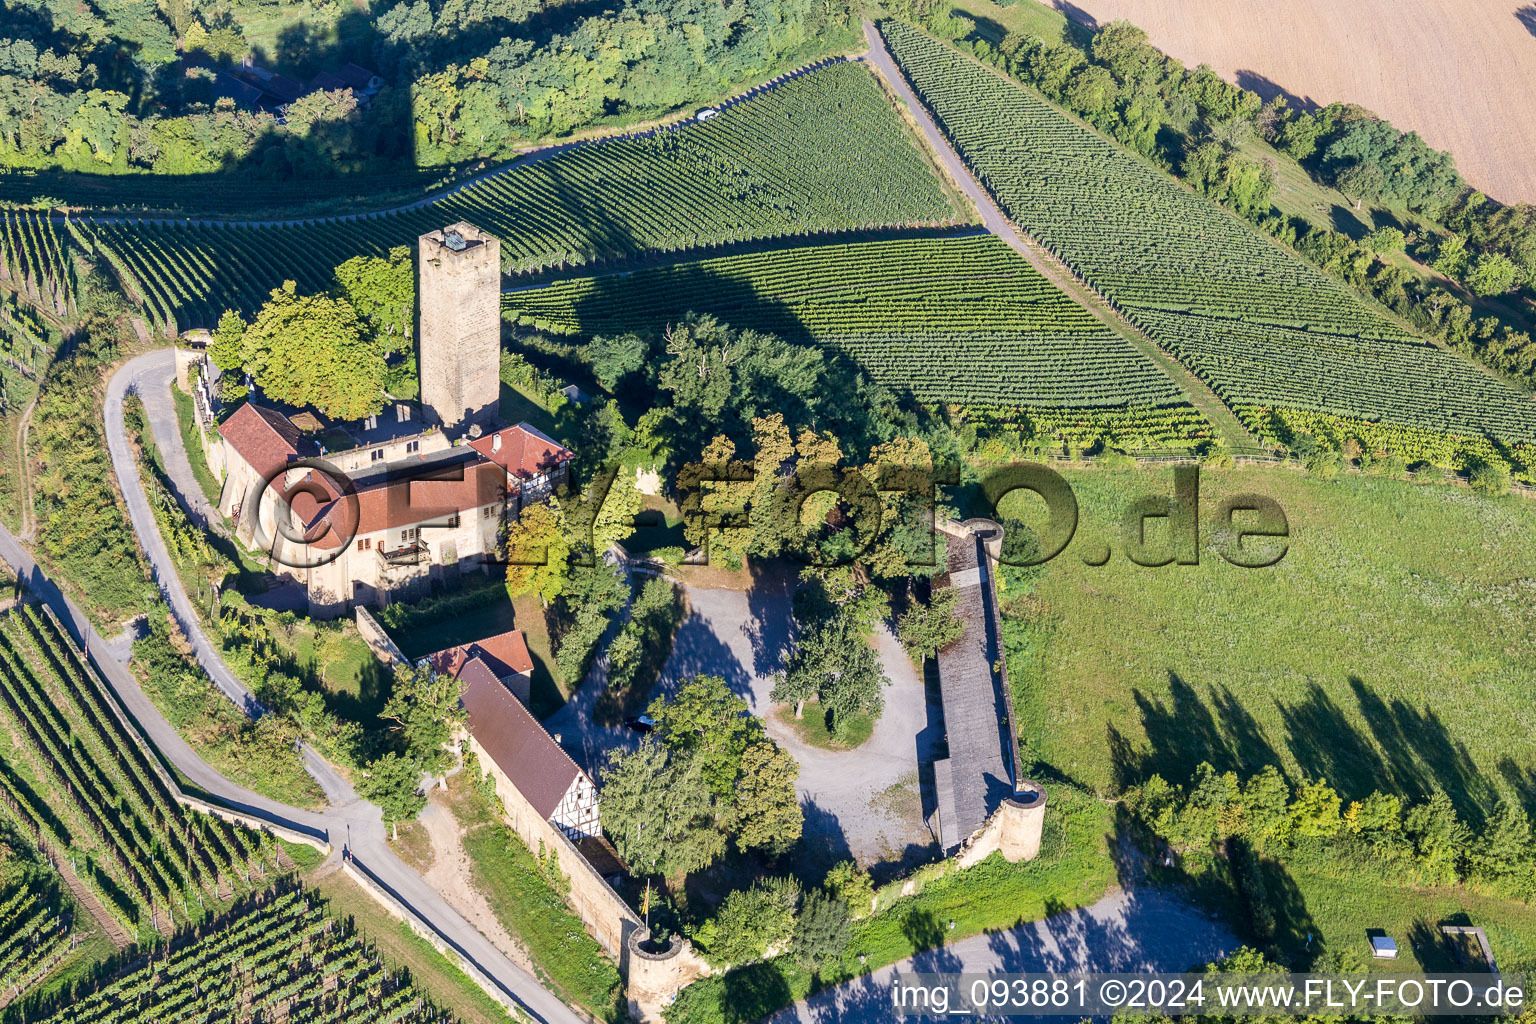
34 260
276 957
35 929
76 781
221 193
960 320
819 153
1256 321
27 343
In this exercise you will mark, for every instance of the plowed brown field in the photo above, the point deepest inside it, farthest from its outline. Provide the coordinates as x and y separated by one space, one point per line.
1460 72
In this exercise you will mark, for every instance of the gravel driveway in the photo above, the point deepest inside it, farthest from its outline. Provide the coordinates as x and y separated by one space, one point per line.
863 803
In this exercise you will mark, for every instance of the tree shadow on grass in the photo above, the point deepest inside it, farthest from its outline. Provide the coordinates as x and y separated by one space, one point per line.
1527 16
1186 730
1384 744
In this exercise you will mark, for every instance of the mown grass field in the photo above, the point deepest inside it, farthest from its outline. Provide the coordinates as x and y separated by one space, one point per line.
1338 906
1390 649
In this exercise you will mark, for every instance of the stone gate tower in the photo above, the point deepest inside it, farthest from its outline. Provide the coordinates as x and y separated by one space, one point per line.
459 296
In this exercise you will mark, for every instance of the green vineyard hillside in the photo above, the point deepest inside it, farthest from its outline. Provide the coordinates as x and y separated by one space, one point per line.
819 153
34 260
955 320
275 957
1265 328
73 779
36 928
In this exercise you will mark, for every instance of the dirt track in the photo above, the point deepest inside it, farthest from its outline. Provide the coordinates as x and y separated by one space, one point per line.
1460 72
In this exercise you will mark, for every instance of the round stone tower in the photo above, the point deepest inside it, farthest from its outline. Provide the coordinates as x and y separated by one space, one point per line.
1022 817
657 974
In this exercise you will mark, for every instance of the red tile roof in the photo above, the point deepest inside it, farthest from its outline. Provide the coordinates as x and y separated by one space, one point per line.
522 451
263 437
527 754
504 654
398 502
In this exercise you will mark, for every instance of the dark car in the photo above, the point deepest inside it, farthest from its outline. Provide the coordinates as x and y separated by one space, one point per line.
641 724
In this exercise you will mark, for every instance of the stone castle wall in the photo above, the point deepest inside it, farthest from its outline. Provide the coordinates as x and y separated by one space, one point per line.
603 911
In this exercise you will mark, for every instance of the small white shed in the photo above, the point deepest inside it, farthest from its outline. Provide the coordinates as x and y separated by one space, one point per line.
1383 947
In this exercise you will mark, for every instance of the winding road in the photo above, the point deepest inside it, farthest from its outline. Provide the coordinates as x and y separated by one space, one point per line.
348 821
1115 932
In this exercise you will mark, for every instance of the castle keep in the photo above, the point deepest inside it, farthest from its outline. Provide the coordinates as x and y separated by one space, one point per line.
459 298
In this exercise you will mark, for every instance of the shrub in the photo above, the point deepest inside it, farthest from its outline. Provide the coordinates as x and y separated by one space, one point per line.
1490 479
853 885
750 922
822 930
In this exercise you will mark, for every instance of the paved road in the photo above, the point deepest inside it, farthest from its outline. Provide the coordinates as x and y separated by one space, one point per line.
991 217
348 820
863 803
1127 931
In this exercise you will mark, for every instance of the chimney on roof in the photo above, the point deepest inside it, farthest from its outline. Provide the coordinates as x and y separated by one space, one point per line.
496 441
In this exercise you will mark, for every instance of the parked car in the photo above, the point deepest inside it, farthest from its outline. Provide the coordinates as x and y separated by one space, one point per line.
641 724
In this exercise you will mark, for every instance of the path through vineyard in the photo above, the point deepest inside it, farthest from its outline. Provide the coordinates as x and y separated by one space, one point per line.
85 897
24 474
1228 427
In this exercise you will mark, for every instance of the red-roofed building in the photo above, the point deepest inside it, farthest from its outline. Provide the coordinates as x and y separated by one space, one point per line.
535 463
257 442
536 780
505 655
384 517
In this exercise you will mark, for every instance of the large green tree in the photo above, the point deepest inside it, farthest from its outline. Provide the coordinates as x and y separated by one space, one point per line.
538 552
383 291
926 629
393 782
424 704
659 811
833 661
315 350
705 719
765 811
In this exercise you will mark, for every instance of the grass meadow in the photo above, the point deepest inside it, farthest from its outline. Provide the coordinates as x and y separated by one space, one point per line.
1391 648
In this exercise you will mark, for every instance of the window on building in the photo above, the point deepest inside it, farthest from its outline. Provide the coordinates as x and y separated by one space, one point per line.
365 544
406 536
411 447
453 521
376 454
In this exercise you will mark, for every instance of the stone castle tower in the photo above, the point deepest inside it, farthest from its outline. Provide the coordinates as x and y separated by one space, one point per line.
459 296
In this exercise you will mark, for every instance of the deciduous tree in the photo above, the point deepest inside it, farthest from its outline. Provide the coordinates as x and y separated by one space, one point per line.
658 810
314 350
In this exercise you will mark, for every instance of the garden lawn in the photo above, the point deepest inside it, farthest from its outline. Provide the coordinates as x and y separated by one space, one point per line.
1339 906
812 727
1391 648
569 960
